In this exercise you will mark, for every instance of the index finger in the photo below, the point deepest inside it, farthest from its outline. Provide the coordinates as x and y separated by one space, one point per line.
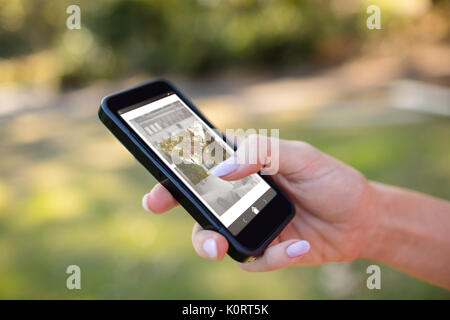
159 200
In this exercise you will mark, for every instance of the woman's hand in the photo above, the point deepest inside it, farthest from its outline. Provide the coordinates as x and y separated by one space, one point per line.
334 204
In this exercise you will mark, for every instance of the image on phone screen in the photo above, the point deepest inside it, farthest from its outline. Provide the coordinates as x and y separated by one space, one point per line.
163 124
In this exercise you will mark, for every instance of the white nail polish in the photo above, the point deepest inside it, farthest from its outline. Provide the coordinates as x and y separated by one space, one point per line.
210 248
298 248
145 202
225 167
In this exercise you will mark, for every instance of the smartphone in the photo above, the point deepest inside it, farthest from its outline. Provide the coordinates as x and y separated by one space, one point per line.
148 119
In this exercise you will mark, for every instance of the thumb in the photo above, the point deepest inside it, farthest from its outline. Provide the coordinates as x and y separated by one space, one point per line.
261 153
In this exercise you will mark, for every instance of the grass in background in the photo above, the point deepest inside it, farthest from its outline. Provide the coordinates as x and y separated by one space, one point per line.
70 194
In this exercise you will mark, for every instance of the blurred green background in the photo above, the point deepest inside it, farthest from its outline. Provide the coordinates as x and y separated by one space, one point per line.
71 194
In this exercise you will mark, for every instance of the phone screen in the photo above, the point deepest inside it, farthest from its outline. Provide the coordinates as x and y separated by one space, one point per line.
165 124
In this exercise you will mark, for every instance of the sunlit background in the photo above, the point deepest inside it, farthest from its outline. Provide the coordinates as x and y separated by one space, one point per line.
71 194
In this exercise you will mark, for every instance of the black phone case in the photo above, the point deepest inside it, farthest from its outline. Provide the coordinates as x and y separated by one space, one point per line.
179 191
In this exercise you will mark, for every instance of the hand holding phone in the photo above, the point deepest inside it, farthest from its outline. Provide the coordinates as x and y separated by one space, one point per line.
177 144
333 203
334 209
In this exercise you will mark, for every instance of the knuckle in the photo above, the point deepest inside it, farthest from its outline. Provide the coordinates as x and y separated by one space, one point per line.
254 139
268 263
304 146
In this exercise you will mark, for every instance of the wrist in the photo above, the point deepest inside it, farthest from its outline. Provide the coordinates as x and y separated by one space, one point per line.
410 232
374 242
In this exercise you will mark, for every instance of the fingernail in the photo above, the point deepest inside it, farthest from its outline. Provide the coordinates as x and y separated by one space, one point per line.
298 248
225 167
145 202
210 248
